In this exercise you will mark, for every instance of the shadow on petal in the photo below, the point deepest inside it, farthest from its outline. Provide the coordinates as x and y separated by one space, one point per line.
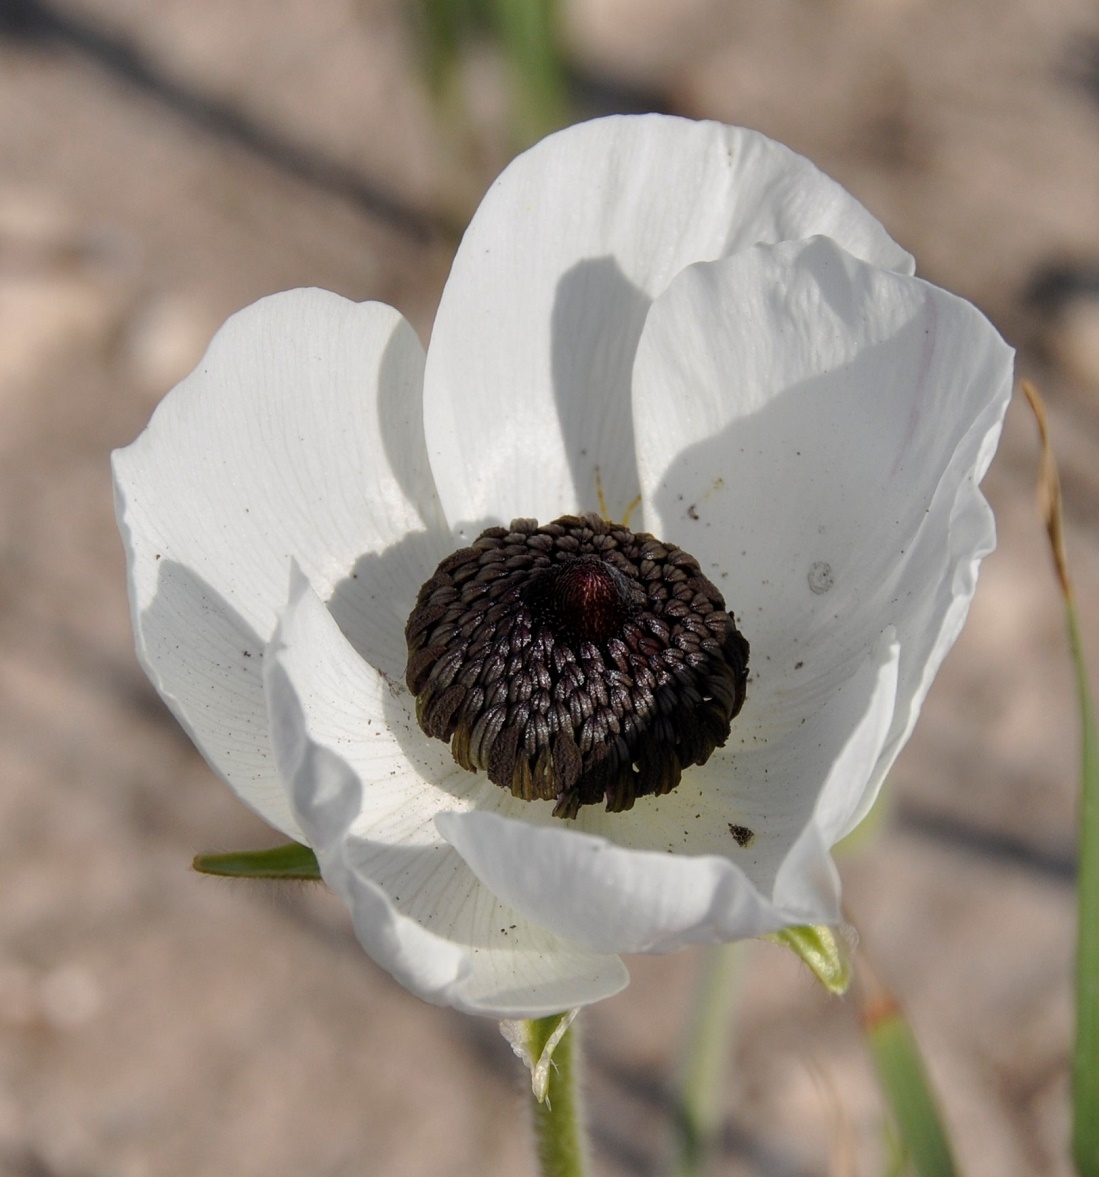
827 510
598 314
207 663
372 603
400 404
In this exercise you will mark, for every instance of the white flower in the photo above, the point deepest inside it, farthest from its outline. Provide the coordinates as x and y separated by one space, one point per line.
685 319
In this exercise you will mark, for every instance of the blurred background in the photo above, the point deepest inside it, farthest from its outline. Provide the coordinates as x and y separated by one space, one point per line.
163 163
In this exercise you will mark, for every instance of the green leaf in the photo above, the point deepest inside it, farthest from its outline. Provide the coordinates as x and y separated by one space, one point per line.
1085 1094
528 34
904 1081
528 38
1085 1132
443 28
823 951
292 861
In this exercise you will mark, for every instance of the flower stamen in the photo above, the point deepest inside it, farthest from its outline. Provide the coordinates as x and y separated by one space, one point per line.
576 662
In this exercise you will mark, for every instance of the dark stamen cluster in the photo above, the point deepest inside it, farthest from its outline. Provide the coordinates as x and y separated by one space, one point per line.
575 662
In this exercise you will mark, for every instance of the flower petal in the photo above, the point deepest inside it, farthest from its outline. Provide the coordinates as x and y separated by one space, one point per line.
600 894
299 436
527 387
770 791
670 871
813 429
807 870
366 784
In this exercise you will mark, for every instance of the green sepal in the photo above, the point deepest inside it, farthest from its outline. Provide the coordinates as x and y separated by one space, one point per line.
292 861
823 951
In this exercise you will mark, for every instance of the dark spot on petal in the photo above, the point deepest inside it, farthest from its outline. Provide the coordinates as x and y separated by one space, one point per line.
820 577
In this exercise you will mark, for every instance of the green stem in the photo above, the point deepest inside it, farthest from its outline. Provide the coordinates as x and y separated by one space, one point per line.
706 1057
558 1134
1085 1139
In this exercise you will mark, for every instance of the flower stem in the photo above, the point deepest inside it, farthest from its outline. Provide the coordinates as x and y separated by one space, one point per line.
706 1056
558 1133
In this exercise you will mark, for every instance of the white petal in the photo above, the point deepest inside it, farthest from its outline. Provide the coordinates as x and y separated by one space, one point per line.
366 784
813 430
669 872
299 436
527 388
773 789
600 894
807 870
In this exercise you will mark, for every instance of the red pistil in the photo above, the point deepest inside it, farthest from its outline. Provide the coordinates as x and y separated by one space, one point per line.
580 600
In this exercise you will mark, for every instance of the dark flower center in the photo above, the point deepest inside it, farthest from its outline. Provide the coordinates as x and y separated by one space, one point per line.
576 662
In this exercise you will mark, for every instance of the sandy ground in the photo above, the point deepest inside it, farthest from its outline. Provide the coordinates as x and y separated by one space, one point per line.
161 165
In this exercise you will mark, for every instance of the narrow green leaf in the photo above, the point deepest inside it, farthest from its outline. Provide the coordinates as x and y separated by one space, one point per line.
528 34
1085 1123
823 951
292 861
907 1090
1085 1131
896 1158
443 27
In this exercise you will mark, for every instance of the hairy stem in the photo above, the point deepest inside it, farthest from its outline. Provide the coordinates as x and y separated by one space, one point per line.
558 1133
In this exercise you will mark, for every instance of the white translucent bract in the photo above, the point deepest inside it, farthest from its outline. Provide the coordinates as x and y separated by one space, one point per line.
685 319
